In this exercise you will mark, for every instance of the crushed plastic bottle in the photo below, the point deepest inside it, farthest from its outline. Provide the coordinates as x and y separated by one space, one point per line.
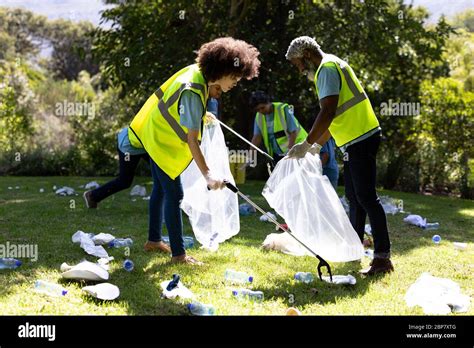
436 239
431 226
198 308
174 283
188 241
9 263
305 277
128 265
121 243
247 294
460 246
50 289
237 277
246 209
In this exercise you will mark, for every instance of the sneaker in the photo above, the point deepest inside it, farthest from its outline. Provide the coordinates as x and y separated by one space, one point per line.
186 259
157 246
378 266
90 203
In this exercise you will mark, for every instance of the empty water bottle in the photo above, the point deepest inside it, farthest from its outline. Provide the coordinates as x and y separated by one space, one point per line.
188 241
304 277
49 288
121 243
248 294
174 283
9 263
237 277
436 239
431 226
246 209
198 308
128 265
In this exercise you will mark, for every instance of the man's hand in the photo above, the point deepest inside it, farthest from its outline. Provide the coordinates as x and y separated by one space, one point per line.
299 150
209 118
315 149
212 182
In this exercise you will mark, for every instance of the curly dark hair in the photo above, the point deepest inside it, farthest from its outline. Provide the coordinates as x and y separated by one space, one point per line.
228 56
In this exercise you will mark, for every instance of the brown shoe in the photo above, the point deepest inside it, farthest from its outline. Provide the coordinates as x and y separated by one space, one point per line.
368 242
186 259
90 203
157 246
378 266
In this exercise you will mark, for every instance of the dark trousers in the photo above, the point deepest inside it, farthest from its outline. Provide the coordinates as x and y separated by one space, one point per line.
166 198
359 180
127 166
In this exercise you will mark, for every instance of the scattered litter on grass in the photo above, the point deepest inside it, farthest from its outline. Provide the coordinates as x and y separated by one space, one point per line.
437 295
41 190
50 289
128 265
138 190
340 279
416 220
177 288
390 205
267 216
460 246
285 243
92 185
246 209
86 242
84 270
65 191
102 238
103 291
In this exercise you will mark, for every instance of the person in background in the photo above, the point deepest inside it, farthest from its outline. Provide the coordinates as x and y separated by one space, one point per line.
329 163
275 125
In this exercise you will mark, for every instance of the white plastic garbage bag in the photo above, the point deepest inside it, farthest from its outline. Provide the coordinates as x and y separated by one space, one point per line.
214 214
84 271
104 291
138 190
300 194
437 295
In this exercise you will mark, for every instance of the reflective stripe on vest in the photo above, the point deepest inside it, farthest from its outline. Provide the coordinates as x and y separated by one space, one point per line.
354 114
156 127
279 126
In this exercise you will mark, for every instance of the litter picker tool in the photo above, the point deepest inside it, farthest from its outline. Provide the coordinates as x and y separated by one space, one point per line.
322 262
249 143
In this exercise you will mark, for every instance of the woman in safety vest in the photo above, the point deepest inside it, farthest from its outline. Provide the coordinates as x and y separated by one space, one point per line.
347 115
168 127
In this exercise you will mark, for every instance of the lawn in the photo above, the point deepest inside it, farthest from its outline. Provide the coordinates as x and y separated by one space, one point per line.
30 217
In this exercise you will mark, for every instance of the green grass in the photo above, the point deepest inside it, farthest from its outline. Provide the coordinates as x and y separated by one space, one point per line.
30 217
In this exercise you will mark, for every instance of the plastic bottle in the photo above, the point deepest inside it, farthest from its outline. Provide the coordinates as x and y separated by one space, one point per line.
436 239
304 277
198 308
248 295
188 241
237 277
460 246
174 283
121 243
431 226
50 288
128 265
9 263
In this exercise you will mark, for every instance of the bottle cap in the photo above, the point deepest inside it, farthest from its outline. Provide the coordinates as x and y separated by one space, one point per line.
190 306
17 263
250 279
234 292
64 292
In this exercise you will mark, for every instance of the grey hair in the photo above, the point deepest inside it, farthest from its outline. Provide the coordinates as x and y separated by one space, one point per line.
298 45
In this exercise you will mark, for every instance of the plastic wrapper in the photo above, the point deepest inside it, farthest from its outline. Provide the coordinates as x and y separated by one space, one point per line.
300 194
214 214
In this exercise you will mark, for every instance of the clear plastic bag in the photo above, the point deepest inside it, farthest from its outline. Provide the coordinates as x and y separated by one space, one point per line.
214 215
300 194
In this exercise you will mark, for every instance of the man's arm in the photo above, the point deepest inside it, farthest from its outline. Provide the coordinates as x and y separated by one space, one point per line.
319 132
196 151
257 139
292 139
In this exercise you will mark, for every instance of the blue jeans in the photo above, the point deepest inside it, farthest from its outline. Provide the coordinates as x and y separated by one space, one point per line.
167 194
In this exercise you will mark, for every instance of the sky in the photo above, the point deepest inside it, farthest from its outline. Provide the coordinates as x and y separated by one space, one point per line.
90 9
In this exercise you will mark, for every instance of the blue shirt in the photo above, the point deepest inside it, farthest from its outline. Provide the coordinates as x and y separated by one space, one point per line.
124 144
291 127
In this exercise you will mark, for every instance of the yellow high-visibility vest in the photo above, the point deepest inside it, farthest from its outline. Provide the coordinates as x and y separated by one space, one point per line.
354 114
156 126
279 128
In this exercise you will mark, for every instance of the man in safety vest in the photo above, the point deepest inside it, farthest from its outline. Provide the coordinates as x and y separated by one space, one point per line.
347 115
168 127
275 124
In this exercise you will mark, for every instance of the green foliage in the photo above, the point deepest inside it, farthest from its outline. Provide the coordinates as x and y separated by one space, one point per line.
446 135
385 42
